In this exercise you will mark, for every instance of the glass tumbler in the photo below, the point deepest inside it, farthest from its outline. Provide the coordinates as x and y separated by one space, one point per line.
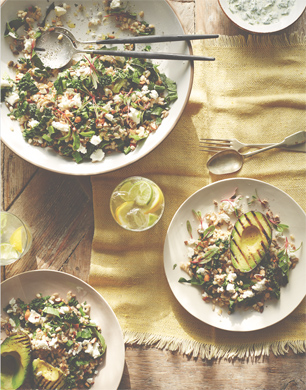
16 238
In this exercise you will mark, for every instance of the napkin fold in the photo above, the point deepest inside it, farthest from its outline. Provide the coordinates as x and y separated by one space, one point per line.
255 92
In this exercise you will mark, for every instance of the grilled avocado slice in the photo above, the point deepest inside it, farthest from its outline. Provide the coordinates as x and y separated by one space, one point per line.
15 360
46 376
250 240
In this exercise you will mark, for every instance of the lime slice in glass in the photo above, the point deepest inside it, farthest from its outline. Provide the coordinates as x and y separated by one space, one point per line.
141 193
156 201
152 218
137 219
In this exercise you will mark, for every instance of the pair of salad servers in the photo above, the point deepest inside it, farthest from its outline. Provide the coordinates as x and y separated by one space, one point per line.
58 45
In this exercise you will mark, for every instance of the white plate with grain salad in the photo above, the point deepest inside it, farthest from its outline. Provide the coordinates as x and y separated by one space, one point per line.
54 301
198 264
101 114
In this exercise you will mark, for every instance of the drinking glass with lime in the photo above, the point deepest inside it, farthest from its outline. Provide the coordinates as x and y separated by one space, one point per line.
137 203
16 238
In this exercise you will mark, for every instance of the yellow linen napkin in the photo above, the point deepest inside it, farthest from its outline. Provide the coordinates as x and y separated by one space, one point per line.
255 92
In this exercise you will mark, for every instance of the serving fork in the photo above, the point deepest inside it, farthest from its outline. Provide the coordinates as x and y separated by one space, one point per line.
218 144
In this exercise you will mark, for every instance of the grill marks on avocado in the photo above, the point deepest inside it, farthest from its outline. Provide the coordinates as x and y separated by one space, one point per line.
15 360
251 238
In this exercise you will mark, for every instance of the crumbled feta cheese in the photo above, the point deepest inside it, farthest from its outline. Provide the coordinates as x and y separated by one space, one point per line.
95 140
28 45
154 94
220 289
107 107
5 83
115 4
260 286
94 22
200 271
231 277
134 115
93 350
82 149
12 98
190 252
69 102
224 217
230 287
83 71
59 11
117 99
34 317
229 207
32 122
97 155
61 126
63 309
192 241
247 294
40 344
107 91
109 117
219 278
53 342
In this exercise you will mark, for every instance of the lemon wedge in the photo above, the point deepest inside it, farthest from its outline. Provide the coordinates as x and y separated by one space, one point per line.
130 217
18 238
122 211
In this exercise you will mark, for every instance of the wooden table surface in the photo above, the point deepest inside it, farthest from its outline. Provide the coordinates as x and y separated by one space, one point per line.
59 210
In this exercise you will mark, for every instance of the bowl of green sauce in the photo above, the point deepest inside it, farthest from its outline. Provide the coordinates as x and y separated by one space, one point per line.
263 16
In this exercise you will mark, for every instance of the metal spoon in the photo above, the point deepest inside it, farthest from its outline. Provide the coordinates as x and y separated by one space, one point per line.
231 161
56 49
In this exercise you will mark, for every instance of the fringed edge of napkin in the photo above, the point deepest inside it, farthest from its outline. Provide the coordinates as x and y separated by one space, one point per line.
258 41
210 351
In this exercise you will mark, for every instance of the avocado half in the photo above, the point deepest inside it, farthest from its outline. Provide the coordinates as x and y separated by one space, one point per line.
250 240
15 361
46 376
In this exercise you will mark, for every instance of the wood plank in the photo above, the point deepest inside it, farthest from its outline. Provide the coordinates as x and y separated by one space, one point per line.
16 174
78 263
210 19
153 369
59 214
185 11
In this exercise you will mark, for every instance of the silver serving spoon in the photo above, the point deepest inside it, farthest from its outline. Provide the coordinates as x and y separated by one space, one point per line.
231 161
56 49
